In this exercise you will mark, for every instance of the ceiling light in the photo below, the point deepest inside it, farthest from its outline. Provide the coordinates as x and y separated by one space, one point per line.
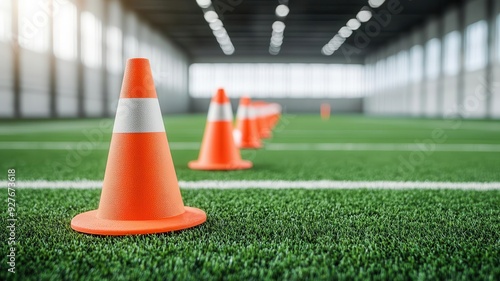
364 14
227 47
216 24
211 16
326 52
282 11
375 3
337 39
274 50
228 52
353 24
278 26
345 32
220 32
277 40
204 3
224 40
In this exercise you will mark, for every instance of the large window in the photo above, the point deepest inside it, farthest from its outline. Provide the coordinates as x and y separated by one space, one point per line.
451 60
497 38
432 58
476 46
144 49
390 72
370 78
402 68
5 20
380 76
34 22
156 63
416 63
91 40
277 80
65 30
131 46
114 49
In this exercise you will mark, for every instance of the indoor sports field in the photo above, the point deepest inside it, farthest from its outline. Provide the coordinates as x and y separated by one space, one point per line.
277 232
250 140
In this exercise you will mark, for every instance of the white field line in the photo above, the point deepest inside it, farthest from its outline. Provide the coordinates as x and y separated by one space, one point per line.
87 145
384 147
267 184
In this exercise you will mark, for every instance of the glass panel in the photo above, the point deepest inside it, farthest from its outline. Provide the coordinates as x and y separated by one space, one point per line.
432 58
476 45
5 20
33 25
91 40
416 63
65 31
114 49
451 63
277 80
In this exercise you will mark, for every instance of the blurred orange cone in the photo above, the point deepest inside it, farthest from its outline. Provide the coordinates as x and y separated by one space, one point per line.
218 151
325 111
246 134
140 193
262 119
275 110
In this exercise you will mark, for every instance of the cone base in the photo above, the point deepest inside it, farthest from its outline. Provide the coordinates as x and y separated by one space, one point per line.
240 165
89 223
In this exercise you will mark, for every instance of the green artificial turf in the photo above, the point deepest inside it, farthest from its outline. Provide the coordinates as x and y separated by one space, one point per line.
284 165
271 234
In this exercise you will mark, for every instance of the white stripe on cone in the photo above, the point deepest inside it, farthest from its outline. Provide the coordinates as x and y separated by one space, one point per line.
220 112
138 115
245 112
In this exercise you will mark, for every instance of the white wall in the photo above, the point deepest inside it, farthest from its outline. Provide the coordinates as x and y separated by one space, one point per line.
473 103
450 81
416 85
101 74
34 84
431 88
495 78
6 69
441 92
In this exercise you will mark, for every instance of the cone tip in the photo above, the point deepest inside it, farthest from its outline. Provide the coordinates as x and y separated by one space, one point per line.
220 96
138 79
245 100
138 62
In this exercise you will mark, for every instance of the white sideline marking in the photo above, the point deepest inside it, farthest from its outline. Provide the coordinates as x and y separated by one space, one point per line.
267 184
86 145
384 147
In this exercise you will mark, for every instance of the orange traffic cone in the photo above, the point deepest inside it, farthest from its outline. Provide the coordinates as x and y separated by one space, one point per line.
246 134
325 111
140 193
218 151
275 114
262 119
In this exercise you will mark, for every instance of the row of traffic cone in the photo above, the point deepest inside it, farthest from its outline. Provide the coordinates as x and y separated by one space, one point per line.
220 145
254 122
140 192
